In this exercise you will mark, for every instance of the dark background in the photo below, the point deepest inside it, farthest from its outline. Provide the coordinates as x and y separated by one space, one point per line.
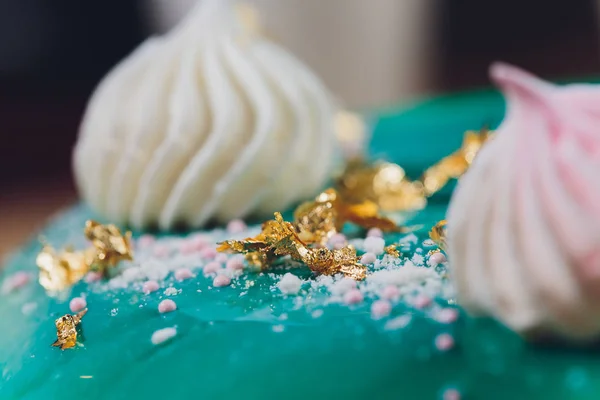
53 53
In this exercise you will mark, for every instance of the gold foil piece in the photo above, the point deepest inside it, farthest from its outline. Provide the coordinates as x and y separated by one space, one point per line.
438 234
66 330
387 185
316 221
456 164
62 269
280 238
110 246
392 250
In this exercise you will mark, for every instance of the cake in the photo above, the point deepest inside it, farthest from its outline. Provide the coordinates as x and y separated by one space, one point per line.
182 320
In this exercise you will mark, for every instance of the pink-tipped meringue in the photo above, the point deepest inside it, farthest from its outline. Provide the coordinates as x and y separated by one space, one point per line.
524 222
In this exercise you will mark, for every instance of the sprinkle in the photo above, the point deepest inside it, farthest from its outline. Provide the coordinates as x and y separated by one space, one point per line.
171 291
374 245
317 314
447 315
150 287
166 306
212 268
444 342
162 335
417 259
14 282
28 308
428 243
390 292
114 312
221 281
236 226
353 296
208 253
289 284
183 273
145 241
93 276
421 301
380 309
375 232
278 328
235 263
436 258
398 323
411 238
451 394
368 258
77 304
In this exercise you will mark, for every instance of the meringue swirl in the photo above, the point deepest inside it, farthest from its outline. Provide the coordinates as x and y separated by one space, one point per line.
524 222
209 122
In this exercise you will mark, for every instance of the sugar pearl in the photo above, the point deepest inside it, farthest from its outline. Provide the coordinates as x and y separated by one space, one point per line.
444 342
374 245
353 296
368 258
337 241
342 286
380 309
451 394
93 276
77 304
162 335
208 253
436 258
145 241
14 282
221 281
290 284
390 292
166 306
421 301
150 287
212 268
235 263
447 315
183 274
375 232
236 226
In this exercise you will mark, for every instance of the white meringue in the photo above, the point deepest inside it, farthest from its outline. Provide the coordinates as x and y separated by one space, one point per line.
210 121
524 222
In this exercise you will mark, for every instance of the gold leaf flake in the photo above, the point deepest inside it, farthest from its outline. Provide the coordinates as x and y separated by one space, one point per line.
66 330
438 234
392 250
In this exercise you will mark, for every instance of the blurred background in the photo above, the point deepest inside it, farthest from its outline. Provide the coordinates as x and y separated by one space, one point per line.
370 53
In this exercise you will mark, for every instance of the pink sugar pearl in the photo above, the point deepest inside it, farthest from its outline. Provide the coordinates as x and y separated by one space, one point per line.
208 253
380 309
221 281
375 232
145 241
15 281
451 394
337 241
444 342
437 258
236 226
166 306
368 258
390 292
353 296
447 315
183 273
93 276
212 268
221 258
194 244
421 301
235 264
77 304
161 251
150 287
